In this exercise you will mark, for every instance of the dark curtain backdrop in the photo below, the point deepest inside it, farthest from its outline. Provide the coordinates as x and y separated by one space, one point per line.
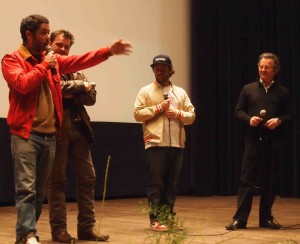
226 40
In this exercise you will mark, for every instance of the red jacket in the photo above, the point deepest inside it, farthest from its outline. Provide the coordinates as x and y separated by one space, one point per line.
24 75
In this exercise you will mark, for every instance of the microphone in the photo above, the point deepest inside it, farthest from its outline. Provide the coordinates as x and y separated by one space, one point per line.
166 95
262 114
53 70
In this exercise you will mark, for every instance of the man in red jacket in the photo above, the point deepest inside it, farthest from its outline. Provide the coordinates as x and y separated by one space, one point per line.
35 113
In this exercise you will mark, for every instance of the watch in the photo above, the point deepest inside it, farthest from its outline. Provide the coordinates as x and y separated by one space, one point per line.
279 121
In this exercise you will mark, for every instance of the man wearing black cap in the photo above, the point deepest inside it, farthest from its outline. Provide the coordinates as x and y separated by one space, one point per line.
164 109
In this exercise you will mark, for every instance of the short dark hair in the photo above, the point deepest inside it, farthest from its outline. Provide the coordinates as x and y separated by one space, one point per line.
270 56
66 34
31 23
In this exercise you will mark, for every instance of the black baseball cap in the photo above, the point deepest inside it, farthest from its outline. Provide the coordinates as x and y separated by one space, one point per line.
162 59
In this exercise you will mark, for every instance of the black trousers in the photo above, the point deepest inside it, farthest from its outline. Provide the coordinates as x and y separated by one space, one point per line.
260 171
165 166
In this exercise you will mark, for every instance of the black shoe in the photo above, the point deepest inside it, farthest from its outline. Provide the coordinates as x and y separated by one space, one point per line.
235 225
270 224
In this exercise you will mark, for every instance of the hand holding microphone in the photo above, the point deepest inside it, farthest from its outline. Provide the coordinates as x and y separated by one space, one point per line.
270 124
170 112
256 120
51 59
165 104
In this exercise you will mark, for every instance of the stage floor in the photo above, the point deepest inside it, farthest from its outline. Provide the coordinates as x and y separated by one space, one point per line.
203 219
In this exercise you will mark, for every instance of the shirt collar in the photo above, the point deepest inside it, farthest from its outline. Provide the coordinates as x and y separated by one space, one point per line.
28 56
263 84
155 82
24 52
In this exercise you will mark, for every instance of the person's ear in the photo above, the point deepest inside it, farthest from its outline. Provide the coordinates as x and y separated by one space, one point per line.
172 72
28 34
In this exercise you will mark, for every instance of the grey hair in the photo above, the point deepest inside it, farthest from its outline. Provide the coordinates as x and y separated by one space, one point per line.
270 56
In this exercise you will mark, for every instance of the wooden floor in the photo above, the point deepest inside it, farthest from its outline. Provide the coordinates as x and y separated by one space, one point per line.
203 218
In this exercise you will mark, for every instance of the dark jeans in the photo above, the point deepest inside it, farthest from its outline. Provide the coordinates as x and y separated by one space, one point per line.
165 165
260 170
72 149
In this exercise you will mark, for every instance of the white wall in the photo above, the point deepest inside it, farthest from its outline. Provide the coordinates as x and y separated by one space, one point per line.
152 26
